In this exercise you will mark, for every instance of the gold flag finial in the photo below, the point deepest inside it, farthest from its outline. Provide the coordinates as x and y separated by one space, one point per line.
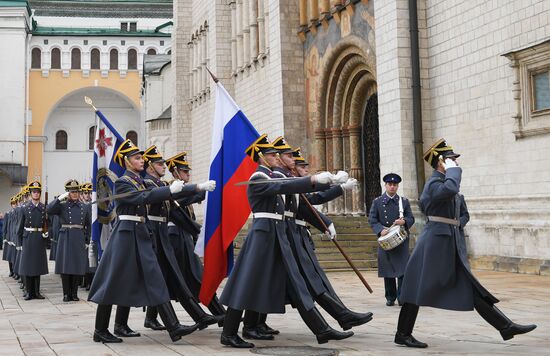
90 102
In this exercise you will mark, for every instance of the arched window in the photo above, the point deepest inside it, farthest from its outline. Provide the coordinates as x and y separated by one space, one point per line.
60 140
75 58
151 51
56 58
95 59
113 59
132 136
91 137
132 59
169 51
36 60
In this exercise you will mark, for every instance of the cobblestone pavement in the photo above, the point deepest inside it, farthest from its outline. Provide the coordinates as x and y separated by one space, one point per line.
51 327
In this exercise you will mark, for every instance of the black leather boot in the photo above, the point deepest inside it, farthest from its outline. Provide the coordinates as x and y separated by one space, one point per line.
101 332
75 281
405 326
515 329
263 327
345 317
198 314
169 318
216 308
250 327
121 323
29 288
151 321
65 283
318 325
230 331
37 294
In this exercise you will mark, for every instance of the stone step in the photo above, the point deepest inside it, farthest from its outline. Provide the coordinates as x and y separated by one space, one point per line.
343 264
322 249
347 237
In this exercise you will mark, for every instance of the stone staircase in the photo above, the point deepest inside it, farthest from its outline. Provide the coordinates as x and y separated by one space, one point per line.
355 237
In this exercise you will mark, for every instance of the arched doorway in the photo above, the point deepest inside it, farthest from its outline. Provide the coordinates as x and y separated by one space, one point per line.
370 144
347 82
73 117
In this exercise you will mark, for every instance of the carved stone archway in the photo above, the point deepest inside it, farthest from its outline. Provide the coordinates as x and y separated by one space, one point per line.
347 81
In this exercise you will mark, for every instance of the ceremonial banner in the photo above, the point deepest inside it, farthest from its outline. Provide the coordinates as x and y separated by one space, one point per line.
226 208
104 174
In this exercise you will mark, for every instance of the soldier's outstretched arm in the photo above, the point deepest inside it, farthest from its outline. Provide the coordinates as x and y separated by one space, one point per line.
192 199
325 195
155 195
299 185
54 207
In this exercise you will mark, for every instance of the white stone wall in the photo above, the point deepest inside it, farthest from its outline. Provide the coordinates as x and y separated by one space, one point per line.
472 107
14 23
99 22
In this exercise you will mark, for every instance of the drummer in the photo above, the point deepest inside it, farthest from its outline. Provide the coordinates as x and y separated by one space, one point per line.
388 210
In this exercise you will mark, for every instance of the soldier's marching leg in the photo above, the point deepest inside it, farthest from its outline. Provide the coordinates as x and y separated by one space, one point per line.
151 321
101 332
496 318
405 326
263 327
121 323
250 327
345 317
37 294
198 314
318 326
11 269
169 318
216 308
230 334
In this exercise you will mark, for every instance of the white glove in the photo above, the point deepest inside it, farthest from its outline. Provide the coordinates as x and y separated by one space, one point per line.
176 186
449 163
349 184
331 232
324 178
209 185
45 235
63 196
341 177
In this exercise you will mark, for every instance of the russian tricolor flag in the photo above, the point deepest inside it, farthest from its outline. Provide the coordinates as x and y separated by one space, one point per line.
226 208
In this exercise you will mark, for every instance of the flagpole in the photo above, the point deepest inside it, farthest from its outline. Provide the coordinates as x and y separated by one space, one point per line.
214 78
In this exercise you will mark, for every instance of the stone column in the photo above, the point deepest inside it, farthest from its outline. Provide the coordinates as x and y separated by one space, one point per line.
356 168
266 20
303 13
261 29
313 11
196 66
348 199
325 7
337 164
246 33
253 25
204 40
233 6
239 23
320 150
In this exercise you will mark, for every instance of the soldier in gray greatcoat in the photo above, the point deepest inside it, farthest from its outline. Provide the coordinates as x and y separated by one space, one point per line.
34 260
387 210
71 257
266 274
297 213
128 273
438 274
157 221
183 231
18 235
8 254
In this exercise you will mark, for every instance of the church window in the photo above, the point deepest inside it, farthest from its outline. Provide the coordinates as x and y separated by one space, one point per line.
531 89
75 58
95 61
56 58
61 140
132 59
113 59
124 26
151 51
133 26
91 137
132 136
36 60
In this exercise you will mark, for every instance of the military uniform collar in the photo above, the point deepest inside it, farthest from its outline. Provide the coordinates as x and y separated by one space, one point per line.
386 198
265 170
438 174
283 170
153 178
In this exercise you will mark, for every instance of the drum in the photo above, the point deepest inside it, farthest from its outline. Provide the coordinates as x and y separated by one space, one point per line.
393 238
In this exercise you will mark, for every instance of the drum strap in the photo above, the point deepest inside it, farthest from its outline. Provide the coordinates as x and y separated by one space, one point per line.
401 216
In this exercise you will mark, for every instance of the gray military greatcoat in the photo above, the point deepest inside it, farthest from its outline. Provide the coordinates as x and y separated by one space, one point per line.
438 273
74 234
265 272
33 260
383 212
